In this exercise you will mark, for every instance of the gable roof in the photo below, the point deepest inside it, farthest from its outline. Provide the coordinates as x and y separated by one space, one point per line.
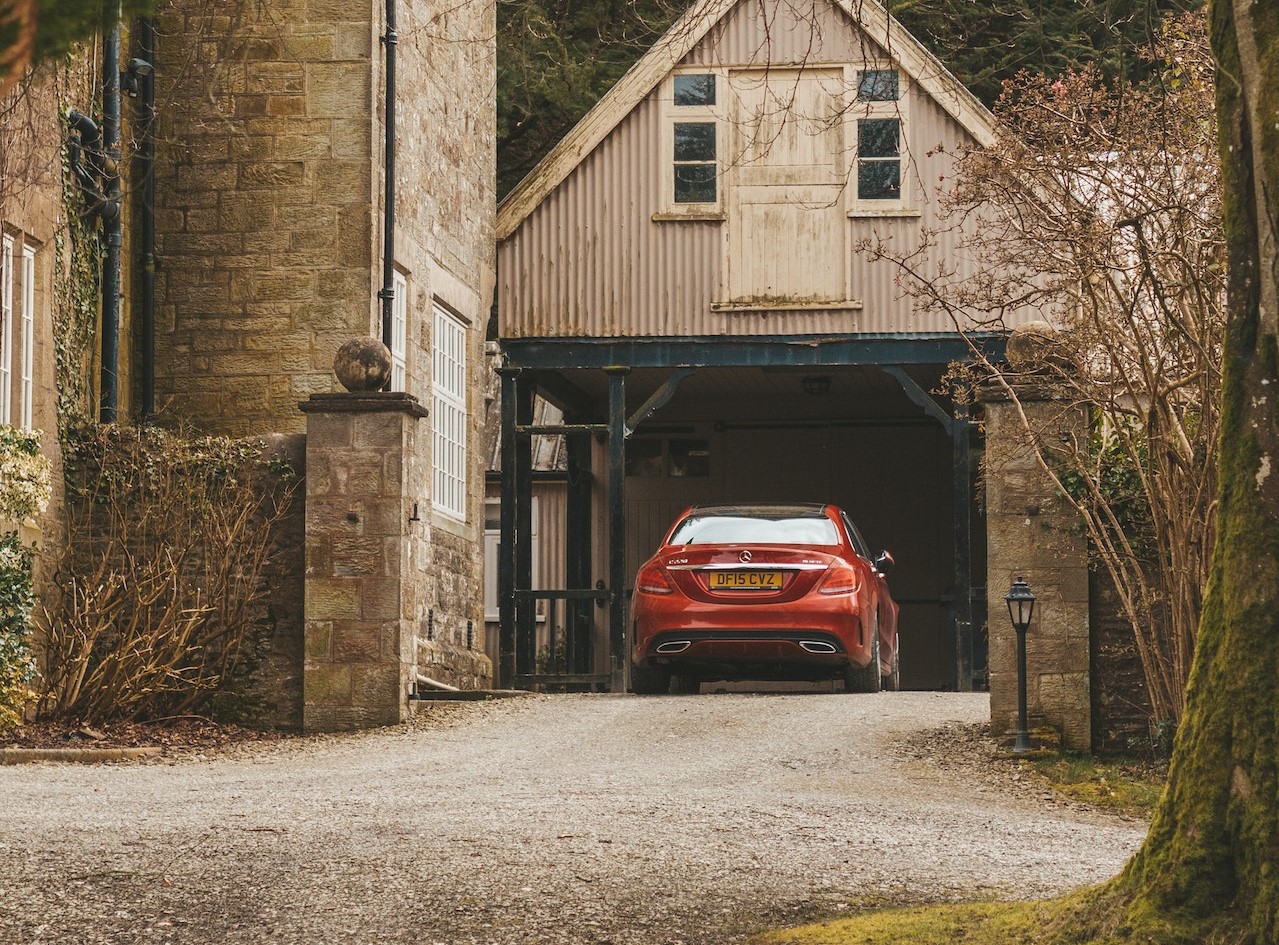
874 20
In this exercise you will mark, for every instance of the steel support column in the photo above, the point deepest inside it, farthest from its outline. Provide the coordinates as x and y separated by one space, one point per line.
506 539
617 526
525 607
577 546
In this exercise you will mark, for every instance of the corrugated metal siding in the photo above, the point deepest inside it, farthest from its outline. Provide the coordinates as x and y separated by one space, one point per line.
551 540
590 262
790 32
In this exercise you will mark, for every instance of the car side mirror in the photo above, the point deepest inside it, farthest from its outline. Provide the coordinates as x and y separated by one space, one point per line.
883 562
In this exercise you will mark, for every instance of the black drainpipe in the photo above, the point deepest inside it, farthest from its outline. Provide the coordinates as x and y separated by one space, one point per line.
109 393
387 294
146 214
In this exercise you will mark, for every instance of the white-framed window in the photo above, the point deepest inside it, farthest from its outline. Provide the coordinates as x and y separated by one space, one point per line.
399 331
879 180
26 374
448 414
492 542
691 145
6 330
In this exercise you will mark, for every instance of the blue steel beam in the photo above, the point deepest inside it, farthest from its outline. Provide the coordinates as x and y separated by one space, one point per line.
793 351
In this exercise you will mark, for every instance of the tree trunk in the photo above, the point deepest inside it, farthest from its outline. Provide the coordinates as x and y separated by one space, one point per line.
1213 849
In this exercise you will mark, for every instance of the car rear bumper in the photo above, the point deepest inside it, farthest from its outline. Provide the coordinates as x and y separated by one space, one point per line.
781 641
760 652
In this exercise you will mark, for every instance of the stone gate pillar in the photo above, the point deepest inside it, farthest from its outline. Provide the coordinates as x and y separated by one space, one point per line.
359 651
1033 533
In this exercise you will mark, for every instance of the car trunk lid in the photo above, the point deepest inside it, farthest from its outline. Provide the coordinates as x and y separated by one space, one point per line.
746 573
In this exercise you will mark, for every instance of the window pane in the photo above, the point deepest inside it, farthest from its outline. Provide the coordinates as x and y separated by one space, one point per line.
878 85
879 180
695 141
720 529
877 137
448 411
695 183
695 90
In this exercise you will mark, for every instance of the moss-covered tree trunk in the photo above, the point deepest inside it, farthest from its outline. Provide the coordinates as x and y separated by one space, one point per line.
1213 850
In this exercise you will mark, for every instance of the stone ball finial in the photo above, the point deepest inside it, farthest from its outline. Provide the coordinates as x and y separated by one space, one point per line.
1034 344
363 364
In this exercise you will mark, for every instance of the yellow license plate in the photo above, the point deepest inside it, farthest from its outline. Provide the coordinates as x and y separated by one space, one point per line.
745 580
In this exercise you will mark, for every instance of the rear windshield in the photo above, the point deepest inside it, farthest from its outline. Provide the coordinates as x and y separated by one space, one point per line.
738 529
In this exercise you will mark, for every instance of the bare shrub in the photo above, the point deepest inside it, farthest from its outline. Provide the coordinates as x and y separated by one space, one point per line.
1099 211
158 598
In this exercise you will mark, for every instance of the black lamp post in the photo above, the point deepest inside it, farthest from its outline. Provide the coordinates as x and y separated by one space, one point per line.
1021 605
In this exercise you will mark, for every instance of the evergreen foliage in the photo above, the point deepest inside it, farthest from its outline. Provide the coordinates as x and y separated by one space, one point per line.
985 44
556 59
24 493
63 23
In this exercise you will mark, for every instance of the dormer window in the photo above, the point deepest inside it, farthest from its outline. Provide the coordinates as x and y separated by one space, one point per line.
879 159
694 89
692 145
879 181
695 164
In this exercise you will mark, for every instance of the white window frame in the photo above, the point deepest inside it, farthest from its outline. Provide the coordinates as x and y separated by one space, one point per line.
399 331
26 374
492 543
859 110
449 464
673 114
6 329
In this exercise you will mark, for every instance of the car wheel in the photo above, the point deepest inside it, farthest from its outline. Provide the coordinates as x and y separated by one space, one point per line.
687 684
893 681
865 678
649 682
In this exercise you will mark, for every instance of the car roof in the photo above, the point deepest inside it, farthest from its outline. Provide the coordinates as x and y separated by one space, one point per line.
763 510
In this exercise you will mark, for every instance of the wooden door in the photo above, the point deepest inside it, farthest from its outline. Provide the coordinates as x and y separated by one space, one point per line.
785 233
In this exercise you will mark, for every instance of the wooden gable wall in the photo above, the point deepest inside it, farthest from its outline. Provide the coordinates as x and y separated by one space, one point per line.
591 261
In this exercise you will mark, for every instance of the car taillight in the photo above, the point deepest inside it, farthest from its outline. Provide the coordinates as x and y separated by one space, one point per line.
652 580
839 580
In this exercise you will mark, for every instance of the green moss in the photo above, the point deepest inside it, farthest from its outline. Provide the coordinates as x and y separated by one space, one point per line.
971 924
1098 916
1132 787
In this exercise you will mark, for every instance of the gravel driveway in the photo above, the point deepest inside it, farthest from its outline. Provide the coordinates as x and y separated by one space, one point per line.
557 819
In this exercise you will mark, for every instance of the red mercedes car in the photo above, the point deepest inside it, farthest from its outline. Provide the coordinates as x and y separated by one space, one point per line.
763 592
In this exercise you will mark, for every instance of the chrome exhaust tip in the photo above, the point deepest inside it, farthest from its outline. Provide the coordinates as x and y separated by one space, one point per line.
818 646
674 646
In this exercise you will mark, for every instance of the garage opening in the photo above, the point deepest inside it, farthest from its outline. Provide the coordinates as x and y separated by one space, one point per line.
878 441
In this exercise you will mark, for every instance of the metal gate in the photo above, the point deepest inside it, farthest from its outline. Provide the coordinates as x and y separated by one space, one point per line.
563 654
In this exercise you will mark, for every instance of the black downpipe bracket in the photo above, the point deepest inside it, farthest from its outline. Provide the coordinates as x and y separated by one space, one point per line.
110 378
387 294
85 158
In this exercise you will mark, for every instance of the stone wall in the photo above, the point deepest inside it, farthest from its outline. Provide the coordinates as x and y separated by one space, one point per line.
33 213
276 685
1032 533
270 185
446 170
360 585
265 205
1120 705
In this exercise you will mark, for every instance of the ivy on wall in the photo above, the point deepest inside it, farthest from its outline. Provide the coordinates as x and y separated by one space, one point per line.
24 494
77 294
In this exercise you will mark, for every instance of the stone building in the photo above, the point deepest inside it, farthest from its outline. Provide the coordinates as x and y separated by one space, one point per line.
254 243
